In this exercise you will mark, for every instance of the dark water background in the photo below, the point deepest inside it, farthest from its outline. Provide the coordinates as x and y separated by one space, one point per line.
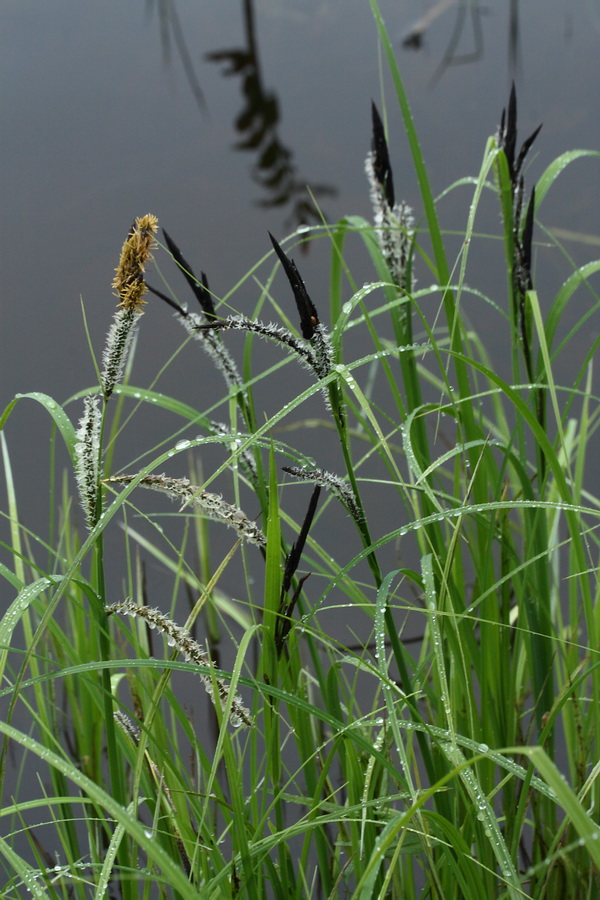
216 117
111 110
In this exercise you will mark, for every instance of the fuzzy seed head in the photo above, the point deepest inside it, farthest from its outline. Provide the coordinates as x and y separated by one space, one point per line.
191 651
87 453
395 227
210 505
340 488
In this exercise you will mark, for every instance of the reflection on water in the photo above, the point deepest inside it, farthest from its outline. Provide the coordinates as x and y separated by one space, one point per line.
171 30
257 122
274 170
467 28
414 37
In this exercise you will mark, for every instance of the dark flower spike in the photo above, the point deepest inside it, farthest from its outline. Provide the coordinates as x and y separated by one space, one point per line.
508 130
307 311
381 158
507 137
293 559
527 240
200 289
167 299
524 283
525 149
291 565
284 623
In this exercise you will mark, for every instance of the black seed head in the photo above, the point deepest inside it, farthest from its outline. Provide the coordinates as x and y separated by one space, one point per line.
381 158
200 289
307 311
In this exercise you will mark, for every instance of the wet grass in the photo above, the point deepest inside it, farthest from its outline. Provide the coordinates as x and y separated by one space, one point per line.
418 718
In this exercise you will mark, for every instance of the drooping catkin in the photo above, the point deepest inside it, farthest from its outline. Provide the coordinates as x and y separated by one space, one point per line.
215 348
193 323
270 331
210 505
192 652
338 487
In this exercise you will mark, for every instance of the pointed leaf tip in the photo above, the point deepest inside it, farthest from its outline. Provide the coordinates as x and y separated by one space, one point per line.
381 158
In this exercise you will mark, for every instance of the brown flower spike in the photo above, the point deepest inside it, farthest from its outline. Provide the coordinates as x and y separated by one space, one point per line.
130 288
137 251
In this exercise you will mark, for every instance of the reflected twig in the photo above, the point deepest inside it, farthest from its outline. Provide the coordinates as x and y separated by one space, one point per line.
450 58
514 48
170 28
414 38
471 10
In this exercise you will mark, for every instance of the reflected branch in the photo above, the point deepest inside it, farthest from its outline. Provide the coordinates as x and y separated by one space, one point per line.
468 10
171 30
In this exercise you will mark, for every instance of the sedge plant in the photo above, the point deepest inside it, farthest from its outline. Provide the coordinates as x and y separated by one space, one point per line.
413 711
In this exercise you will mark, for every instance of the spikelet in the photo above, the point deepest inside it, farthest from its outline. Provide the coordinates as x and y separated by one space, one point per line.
336 485
323 351
130 288
395 227
215 348
87 453
127 726
191 651
210 505
270 332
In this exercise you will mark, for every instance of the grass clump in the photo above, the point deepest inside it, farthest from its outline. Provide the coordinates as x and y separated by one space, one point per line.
418 718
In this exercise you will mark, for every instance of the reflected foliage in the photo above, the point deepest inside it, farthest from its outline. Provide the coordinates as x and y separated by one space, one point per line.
257 123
